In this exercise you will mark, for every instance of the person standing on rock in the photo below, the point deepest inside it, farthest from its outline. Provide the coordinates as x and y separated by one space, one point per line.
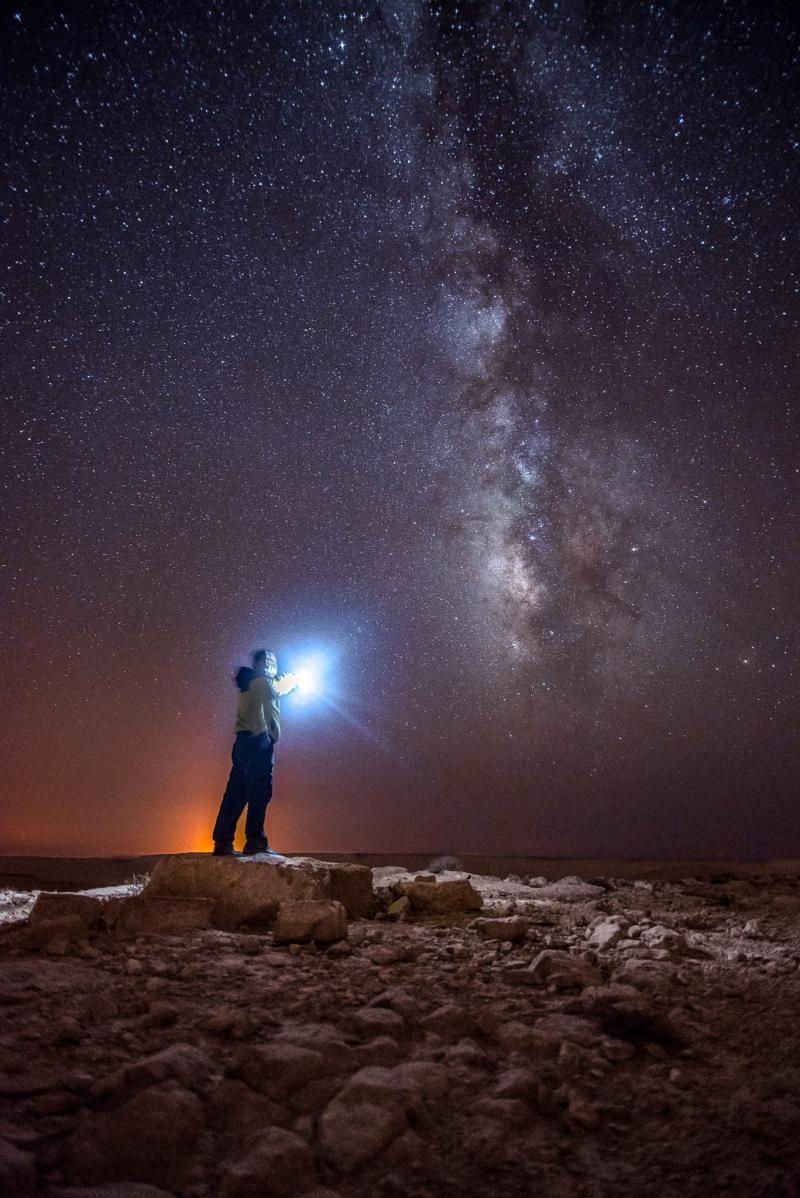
258 726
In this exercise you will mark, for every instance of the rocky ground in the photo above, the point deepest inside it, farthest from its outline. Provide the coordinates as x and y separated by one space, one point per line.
583 1038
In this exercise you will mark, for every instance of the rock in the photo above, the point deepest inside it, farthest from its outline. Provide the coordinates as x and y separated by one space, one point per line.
232 1022
583 1112
563 970
651 975
17 1171
340 948
354 1132
425 1077
364 1118
569 890
511 1112
517 1083
398 999
280 1067
607 933
392 954
602 998
572 1028
152 1138
442 898
513 928
238 1111
115 1189
400 908
53 905
250 891
322 1038
145 914
448 1021
57 936
301 920
181 1063
544 1038
161 1014
384 1051
378 1021
279 1164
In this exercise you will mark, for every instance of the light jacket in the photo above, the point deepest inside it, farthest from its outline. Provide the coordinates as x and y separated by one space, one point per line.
259 709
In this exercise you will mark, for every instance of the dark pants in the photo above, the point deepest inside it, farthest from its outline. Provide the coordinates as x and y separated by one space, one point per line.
250 786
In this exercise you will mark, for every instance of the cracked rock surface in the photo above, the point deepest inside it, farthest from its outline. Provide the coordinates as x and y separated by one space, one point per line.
585 1039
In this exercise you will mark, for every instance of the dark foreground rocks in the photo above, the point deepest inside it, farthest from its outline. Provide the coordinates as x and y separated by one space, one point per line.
617 1040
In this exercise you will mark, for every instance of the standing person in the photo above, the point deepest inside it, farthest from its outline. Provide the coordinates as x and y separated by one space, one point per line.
258 726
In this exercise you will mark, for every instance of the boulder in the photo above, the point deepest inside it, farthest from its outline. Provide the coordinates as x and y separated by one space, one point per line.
450 1021
400 908
563 970
250 891
370 1112
153 1138
608 932
55 905
514 928
442 898
324 1038
173 916
280 1067
57 935
301 920
569 890
182 1063
278 1165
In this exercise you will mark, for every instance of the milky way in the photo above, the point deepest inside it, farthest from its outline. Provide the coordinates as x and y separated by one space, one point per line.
457 342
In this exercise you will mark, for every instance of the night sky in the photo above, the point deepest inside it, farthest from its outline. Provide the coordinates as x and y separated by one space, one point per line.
452 346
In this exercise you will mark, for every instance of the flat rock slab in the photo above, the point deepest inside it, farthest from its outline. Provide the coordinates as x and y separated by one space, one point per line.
63 904
162 916
250 891
442 898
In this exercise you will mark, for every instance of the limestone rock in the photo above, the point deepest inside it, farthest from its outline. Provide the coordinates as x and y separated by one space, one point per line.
174 916
278 1165
301 920
364 1118
182 1063
250 891
563 970
322 1038
280 1067
152 1138
569 890
239 1112
514 928
378 1021
449 1021
608 932
54 905
400 908
442 898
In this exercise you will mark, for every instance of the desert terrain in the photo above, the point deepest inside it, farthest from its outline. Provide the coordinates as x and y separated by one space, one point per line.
398 1027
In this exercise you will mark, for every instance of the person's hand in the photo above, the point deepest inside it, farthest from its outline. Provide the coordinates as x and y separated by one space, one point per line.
285 684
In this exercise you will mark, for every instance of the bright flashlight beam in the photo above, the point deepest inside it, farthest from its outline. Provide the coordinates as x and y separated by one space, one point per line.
306 681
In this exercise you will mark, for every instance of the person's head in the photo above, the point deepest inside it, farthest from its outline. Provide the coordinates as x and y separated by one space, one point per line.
265 662
243 677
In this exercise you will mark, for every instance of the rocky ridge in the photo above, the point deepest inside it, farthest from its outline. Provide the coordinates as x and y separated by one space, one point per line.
508 1036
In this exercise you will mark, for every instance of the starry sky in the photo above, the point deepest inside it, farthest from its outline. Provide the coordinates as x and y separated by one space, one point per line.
453 346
